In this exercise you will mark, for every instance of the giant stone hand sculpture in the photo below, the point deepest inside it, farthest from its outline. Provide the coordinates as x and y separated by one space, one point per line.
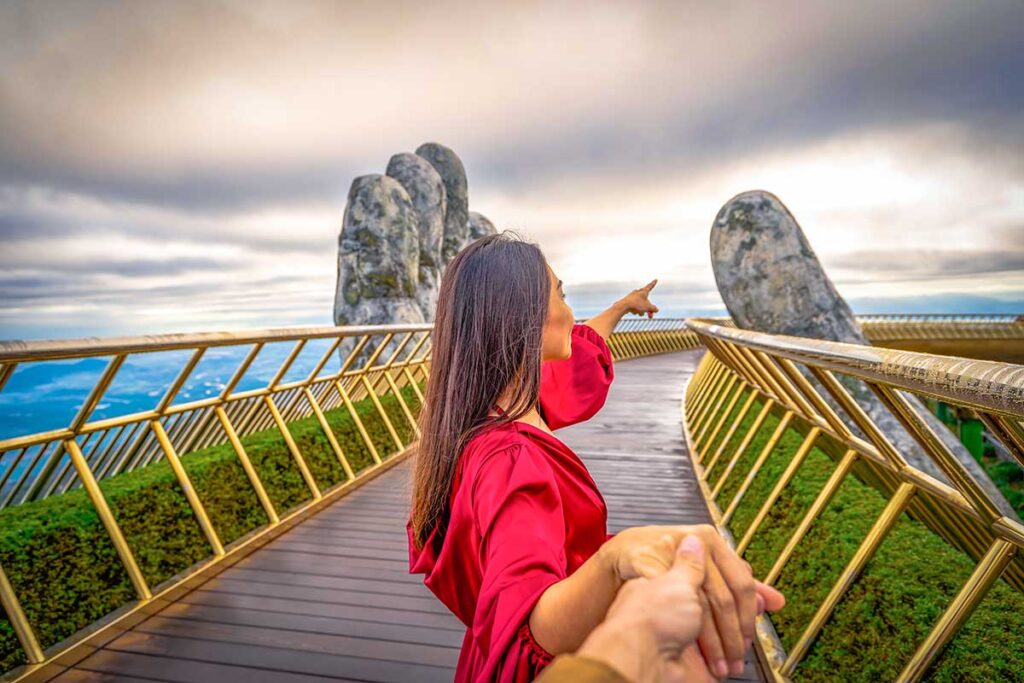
771 281
399 232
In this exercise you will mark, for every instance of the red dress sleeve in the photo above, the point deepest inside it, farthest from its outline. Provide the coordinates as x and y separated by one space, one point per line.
574 389
518 510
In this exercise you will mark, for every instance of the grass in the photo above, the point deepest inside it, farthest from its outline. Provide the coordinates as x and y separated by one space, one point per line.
895 602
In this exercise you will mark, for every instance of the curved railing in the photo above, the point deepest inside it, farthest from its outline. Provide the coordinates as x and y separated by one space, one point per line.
340 404
92 451
279 380
803 384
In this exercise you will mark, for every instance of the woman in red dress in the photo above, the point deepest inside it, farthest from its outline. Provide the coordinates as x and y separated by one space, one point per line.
507 524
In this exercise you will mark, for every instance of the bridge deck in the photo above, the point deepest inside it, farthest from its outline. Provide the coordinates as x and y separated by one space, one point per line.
332 597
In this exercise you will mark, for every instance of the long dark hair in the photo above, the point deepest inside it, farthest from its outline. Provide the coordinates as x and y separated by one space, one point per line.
491 309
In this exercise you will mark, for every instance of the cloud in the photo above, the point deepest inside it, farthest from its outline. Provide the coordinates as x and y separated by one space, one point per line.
919 264
186 163
228 106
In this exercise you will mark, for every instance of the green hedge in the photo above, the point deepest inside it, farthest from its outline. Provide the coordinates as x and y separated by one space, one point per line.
901 594
65 570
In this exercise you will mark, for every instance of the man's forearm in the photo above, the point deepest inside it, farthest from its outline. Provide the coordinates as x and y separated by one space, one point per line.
604 322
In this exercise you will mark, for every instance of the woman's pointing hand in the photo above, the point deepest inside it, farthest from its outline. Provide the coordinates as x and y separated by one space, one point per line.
638 302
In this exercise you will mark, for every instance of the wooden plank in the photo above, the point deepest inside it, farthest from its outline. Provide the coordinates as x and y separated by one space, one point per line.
303 641
342 611
332 599
401 633
169 668
317 580
279 660
332 596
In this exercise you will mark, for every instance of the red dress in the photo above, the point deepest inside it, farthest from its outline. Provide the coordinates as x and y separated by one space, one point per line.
525 513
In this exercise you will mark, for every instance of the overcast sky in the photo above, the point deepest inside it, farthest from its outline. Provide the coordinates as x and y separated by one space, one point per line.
184 165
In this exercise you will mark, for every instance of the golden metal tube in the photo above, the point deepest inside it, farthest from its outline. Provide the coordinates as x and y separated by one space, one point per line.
732 430
6 370
757 359
745 359
283 369
787 475
865 552
326 427
937 449
331 349
1009 433
106 516
788 388
300 462
240 371
359 423
716 377
819 404
835 480
180 380
401 402
716 410
53 349
780 429
857 414
709 410
703 409
986 385
748 437
250 471
22 629
186 485
414 383
384 416
705 445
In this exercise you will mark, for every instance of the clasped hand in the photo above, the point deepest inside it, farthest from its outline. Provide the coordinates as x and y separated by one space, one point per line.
730 596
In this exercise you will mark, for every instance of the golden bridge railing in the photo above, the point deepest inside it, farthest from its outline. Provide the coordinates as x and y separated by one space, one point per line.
378 361
644 337
798 381
38 465
883 328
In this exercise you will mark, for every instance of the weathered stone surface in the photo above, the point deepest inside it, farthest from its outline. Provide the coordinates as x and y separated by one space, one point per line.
426 189
769 276
378 256
771 281
480 225
453 173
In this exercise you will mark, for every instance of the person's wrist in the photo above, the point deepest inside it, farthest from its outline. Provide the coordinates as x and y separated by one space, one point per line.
608 559
627 647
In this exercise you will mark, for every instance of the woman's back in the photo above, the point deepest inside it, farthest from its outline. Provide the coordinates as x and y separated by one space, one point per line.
524 513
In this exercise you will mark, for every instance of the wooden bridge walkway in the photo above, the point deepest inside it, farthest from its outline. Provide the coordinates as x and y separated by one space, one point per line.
332 599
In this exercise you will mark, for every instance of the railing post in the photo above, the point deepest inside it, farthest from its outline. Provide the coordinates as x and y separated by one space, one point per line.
22 629
107 517
189 490
885 522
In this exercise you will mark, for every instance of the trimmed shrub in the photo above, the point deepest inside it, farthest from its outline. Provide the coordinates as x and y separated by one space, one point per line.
894 604
64 568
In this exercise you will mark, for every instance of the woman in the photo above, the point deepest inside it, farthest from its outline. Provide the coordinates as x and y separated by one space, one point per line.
507 524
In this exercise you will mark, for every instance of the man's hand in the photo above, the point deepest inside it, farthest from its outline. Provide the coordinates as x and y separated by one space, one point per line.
653 621
733 598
